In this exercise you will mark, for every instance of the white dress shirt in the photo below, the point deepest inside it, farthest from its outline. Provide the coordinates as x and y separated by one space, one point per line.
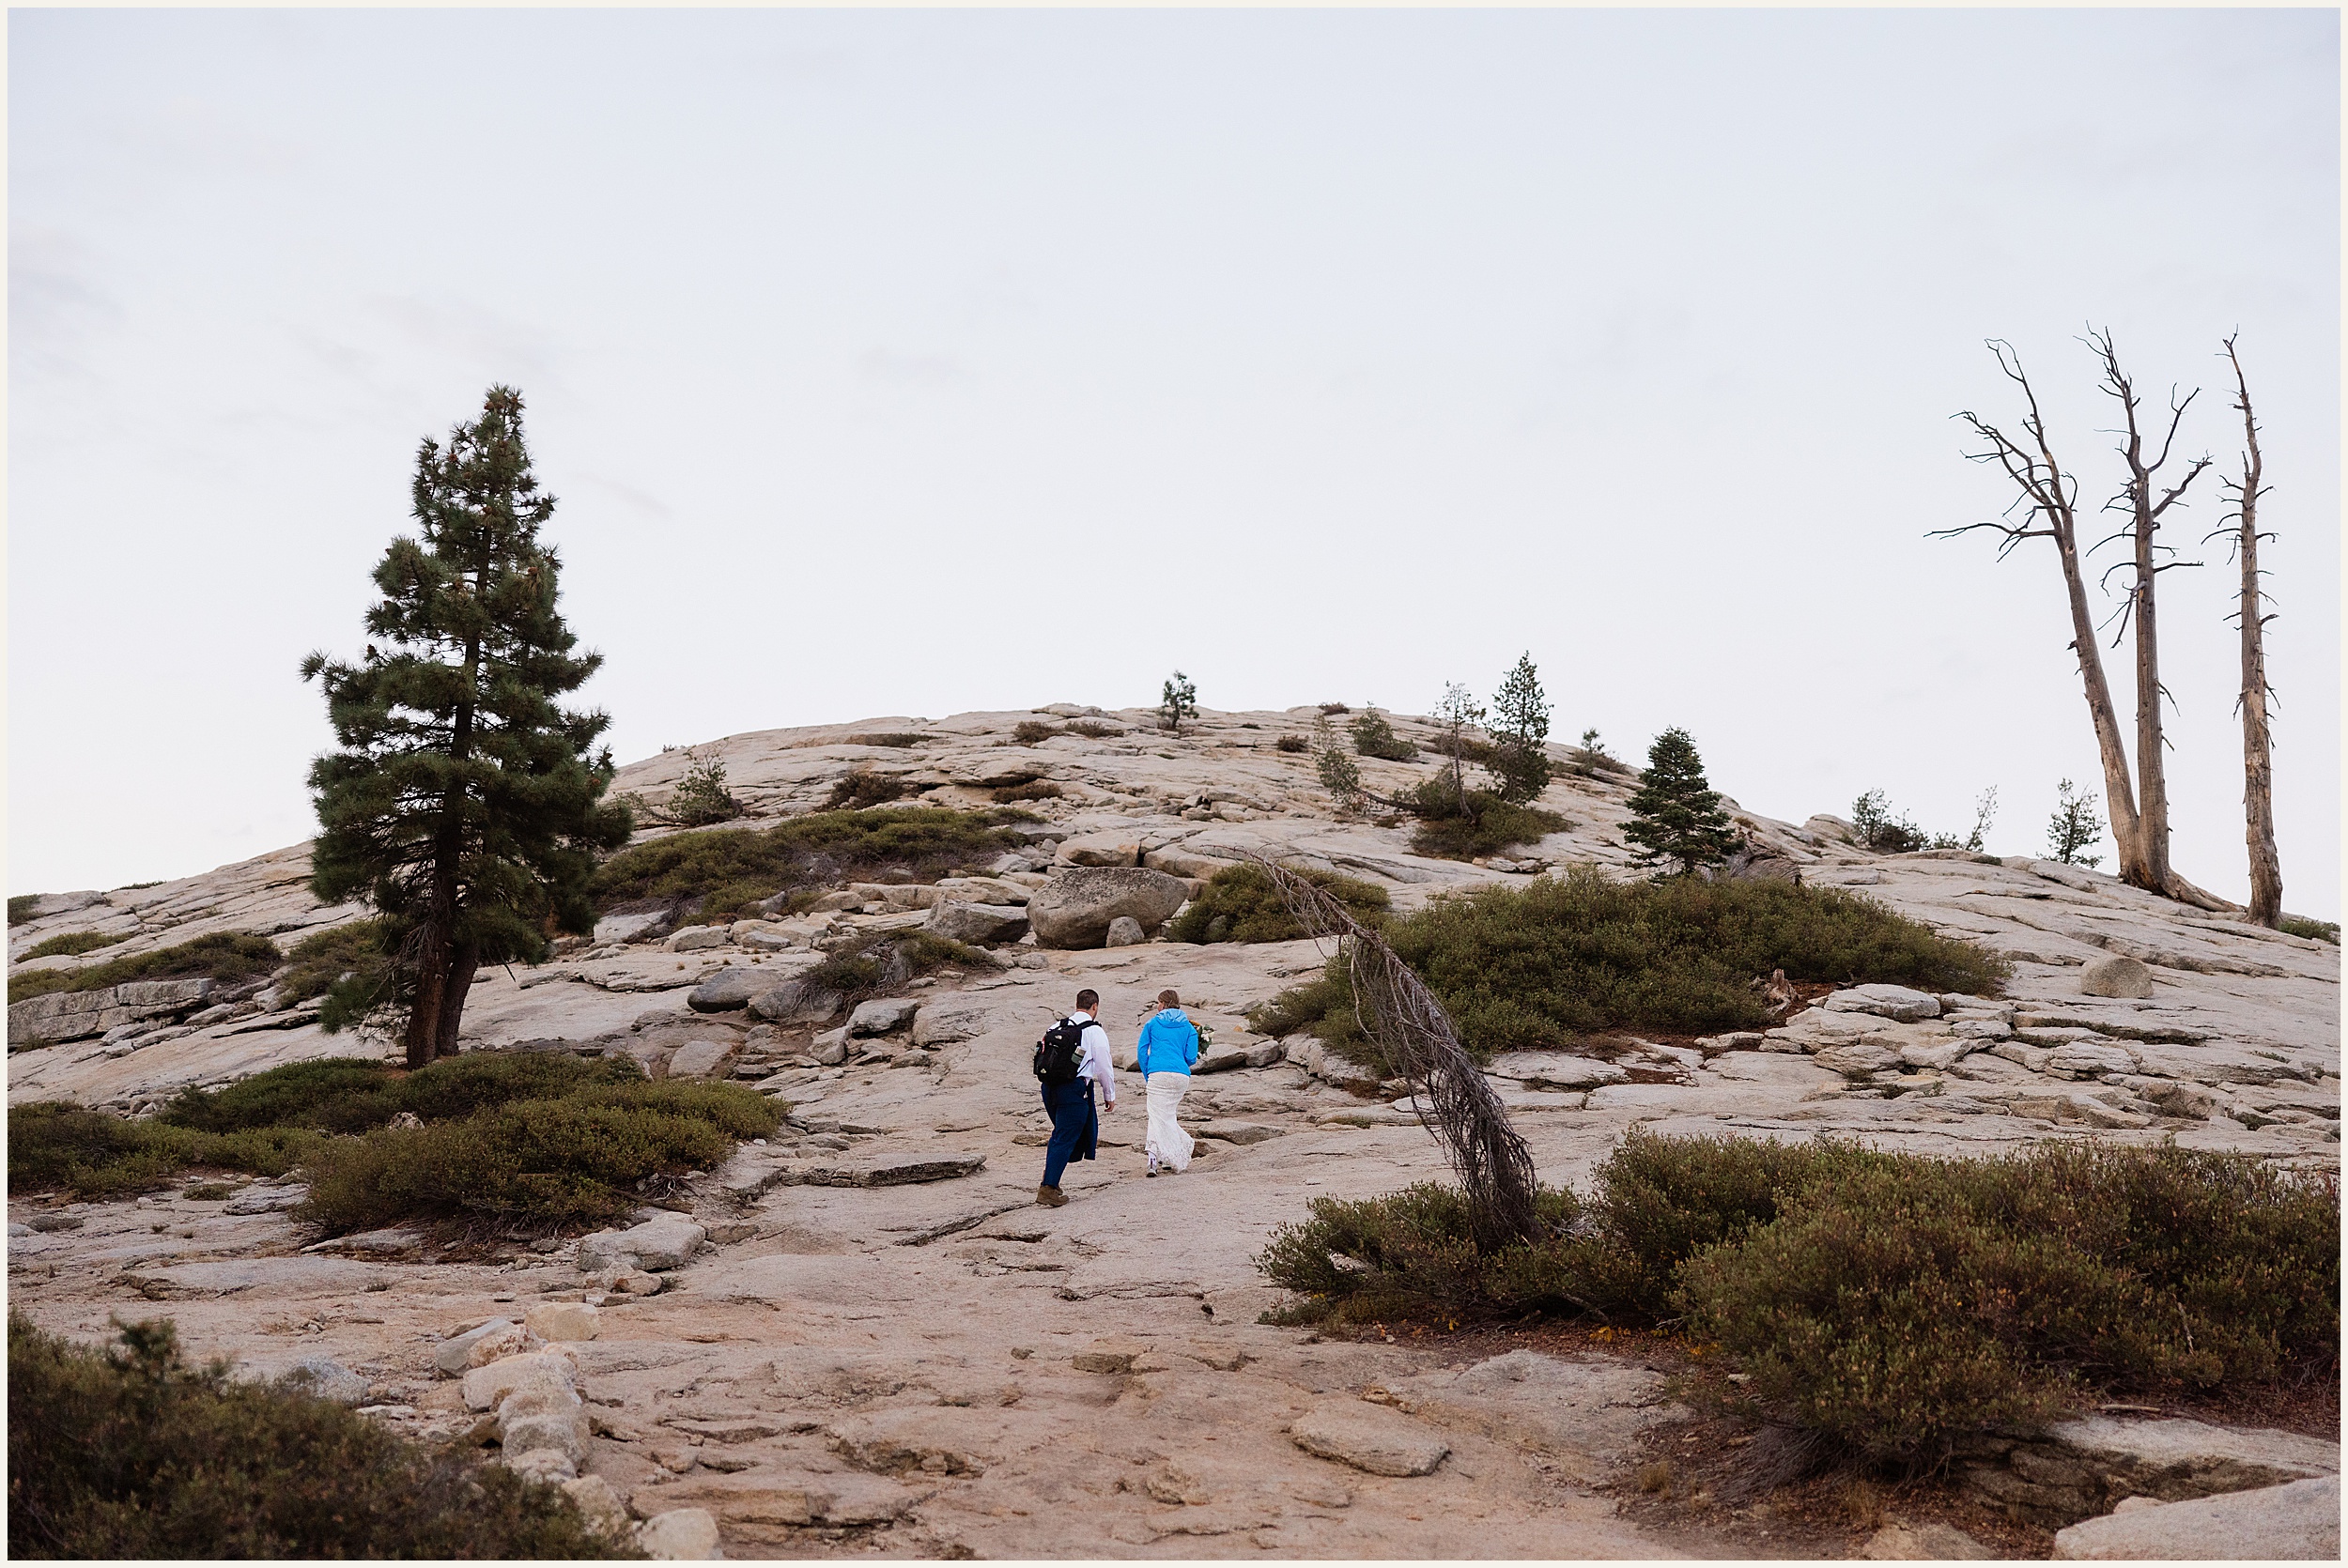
1096 1064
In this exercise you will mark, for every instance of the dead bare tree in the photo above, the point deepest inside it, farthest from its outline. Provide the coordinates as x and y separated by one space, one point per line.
1396 1010
2134 502
2258 767
2048 509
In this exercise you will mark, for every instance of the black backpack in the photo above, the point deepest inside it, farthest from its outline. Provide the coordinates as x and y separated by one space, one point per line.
1060 1052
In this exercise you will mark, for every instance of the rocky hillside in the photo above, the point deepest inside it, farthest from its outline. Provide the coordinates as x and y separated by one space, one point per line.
862 1332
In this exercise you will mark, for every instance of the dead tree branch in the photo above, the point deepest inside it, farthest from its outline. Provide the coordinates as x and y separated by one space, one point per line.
1398 1010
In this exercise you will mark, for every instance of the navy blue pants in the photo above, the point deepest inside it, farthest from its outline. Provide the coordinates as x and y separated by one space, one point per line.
1076 1128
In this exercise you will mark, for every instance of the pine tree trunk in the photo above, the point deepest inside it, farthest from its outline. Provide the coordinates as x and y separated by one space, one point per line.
2151 769
2258 766
424 1015
462 964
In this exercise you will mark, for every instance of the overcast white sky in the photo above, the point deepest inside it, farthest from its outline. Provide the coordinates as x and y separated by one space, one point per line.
892 362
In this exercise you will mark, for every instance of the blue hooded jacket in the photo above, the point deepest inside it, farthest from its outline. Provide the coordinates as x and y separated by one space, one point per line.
1168 1043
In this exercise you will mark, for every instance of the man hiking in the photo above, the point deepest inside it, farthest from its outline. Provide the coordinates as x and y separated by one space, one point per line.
1167 1050
1072 1055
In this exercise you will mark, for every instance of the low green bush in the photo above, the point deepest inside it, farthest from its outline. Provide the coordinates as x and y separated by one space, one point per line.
2314 930
575 1160
353 949
1091 729
1035 788
224 955
134 1455
1525 967
1293 744
70 945
875 962
56 1147
895 739
863 788
1488 825
22 907
1374 737
718 875
1241 904
1029 732
1891 1303
270 1122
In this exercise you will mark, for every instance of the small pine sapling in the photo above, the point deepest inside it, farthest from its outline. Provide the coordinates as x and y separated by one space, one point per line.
1676 819
1339 773
1374 737
2075 826
1879 830
701 797
1177 701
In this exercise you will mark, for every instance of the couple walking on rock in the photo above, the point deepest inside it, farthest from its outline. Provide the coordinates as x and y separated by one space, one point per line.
1073 1058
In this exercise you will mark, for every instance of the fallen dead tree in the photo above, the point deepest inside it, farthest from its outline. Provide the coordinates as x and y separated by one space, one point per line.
1454 1099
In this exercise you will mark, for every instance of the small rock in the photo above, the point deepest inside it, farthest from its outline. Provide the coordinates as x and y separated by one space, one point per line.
979 925
1125 931
1897 1002
510 1340
666 1243
549 1464
680 1535
541 1416
1109 1356
760 937
632 928
488 1387
884 1016
599 1502
564 1320
1931 1541
692 938
1370 1438
2298 1520
728 988
452 1356
709 1057
637 1282
830 1048
2115 975
329 1381
951 1020
794 1001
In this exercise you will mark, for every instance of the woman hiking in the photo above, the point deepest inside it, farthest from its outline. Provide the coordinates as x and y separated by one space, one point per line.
1167 1050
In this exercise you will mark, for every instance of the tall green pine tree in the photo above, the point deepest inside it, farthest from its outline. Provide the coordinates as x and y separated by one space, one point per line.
1520 729
463 803
1676 815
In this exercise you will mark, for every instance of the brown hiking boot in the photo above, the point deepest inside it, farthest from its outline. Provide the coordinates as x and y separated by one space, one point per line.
1051 1197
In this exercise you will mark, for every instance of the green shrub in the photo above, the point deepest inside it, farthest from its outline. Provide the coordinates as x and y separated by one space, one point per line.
863 788
55 1146
1488 825
1892 1303
70 945
895 740
1294 744
1522 968
1374 737
1871 819
1241 904
23 906
2314 930
701 797
1029 732
455 1088
1091 729
1035 788
224 955
874 962
720 873
134 1455
332 1095
575 1160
